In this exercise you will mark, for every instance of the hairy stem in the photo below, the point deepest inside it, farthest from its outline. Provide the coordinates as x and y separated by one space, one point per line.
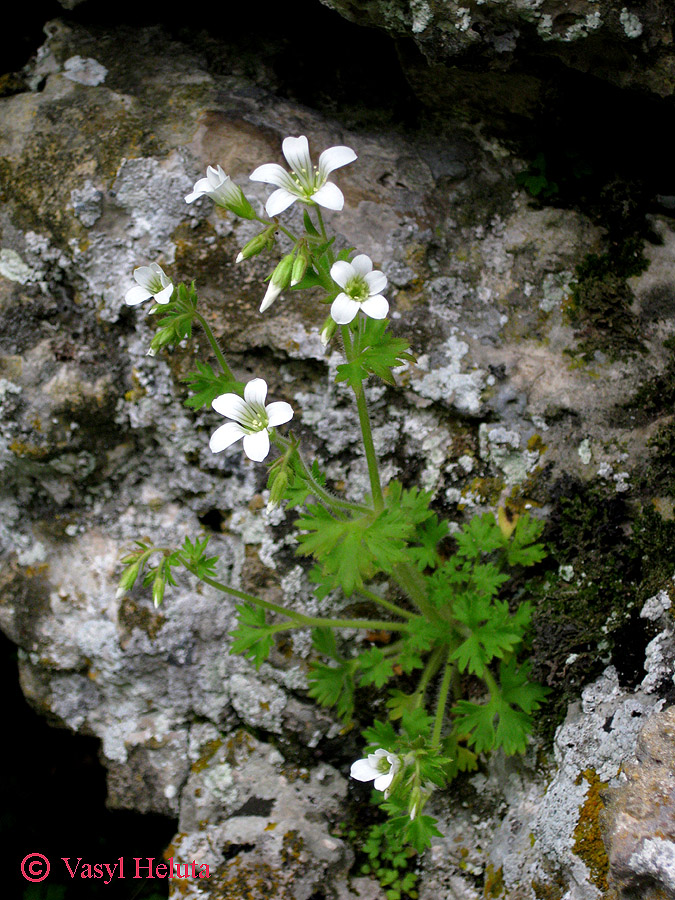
216 348
442 702
319 492
366 432
386 604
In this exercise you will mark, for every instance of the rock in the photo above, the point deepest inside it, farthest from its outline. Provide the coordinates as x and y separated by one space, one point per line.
98 449
640 819
487 47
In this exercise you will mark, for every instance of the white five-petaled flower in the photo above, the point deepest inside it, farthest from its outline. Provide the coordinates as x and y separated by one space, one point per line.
223 191
361 290
151 282
381 766
252 420
305 181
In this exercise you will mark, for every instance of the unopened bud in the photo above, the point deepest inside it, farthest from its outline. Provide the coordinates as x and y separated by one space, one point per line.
300 265
158 586
257 244
327 330
280 280
127 580
278 490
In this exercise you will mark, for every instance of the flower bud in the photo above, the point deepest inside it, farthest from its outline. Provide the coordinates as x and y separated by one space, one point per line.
300 265
158 586
280 280
327 330
127 580
278 489
257 244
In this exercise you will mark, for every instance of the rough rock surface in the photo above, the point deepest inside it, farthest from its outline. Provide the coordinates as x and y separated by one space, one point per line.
97 449
483 41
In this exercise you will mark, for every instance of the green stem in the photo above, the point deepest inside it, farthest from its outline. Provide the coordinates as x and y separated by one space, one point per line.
216 349
367 434
386 604
300 620
369 624
320 492
243 595
442 702
279 226
432 666
411 580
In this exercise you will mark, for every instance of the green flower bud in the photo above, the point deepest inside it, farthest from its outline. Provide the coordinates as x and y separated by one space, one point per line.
128 579
300 265
281 278
257 244
158 586
278 489
327 330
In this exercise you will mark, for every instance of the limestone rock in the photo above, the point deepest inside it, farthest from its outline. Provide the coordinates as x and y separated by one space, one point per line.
640 827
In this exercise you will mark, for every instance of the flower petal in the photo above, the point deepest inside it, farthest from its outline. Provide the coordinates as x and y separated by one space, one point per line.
257 445
144 275
164 296
225 436
270 173
278 201
362 770
376 281
230 405
279 412
341 272
376 307
382 782
363 264
256 391
201 187
329 196
296 151
271 294
215 177
335 158
136 294
344 309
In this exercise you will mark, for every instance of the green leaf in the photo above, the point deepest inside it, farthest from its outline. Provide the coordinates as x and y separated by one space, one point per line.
253 637
206 385
375 667
429 534
376 352
399 702
351 550
420 831
493 631
333 686
521 550
504 720
309 225
298 489
323 641
481 535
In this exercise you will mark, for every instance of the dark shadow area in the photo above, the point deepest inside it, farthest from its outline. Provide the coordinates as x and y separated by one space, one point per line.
52 802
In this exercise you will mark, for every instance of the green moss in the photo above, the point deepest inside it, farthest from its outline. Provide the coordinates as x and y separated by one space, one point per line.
493 886
600 301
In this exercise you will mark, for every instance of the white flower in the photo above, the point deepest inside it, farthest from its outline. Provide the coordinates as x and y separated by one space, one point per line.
381 766
223 191
152 282
305 182
252 420
361 287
